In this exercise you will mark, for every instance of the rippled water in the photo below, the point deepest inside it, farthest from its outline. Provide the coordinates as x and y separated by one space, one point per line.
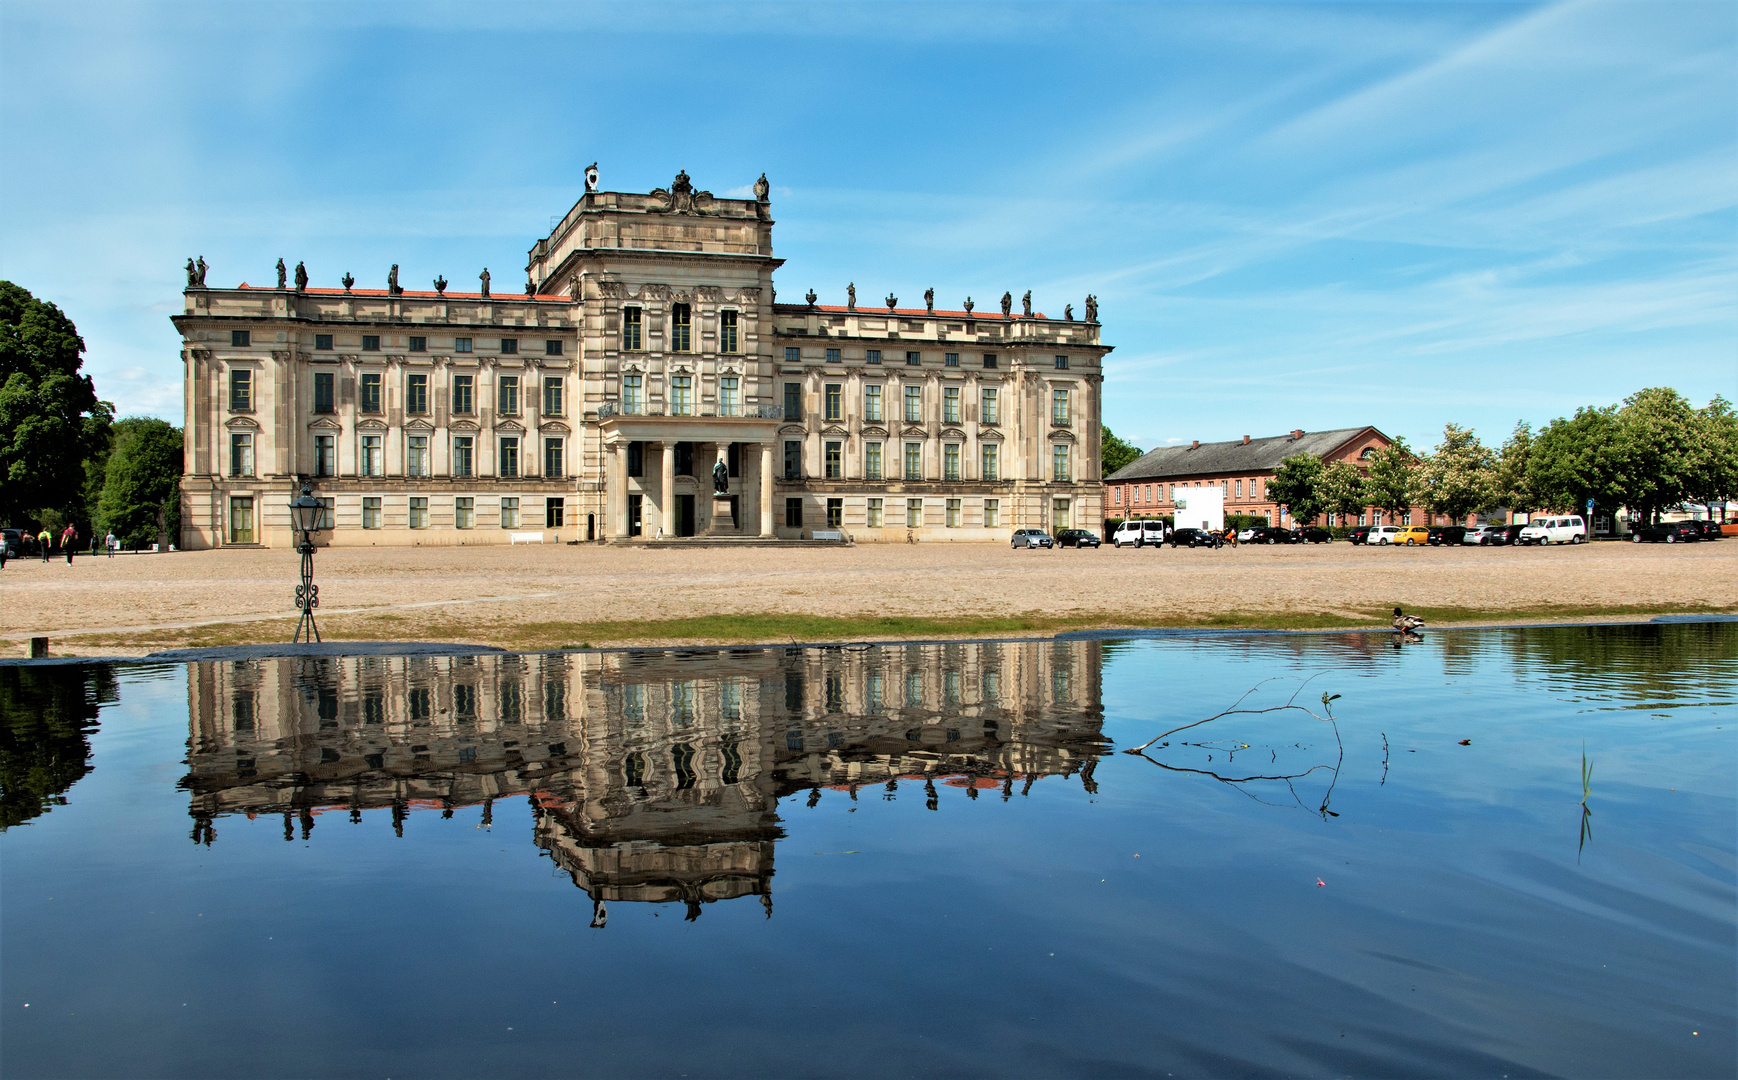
911 860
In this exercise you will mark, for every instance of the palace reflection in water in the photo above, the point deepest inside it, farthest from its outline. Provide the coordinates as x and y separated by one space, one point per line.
652 776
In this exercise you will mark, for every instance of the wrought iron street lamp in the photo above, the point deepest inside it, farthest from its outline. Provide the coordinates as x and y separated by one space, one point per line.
305 519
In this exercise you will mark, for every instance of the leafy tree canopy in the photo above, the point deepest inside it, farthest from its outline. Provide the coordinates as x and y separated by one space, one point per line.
1341 489
1392 484
1116 453
1459 476
1294 487
142 481
50 418
1574 459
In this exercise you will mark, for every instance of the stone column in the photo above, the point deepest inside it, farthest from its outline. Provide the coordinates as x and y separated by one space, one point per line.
766 490
667 493
620 472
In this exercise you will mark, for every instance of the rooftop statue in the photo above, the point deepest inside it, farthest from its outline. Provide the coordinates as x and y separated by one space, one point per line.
591 178
392 288
282 274
192 275
1091 308
851 296
1007 304
484 278
1068 312
200 271
762 189
968 305
682 197
929 300
892 301
1026 303
811 297
530 288
347 280
440 284
301 276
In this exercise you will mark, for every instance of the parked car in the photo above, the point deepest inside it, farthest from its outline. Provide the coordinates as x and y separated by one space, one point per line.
1360 535
1447 534
1412 535
1265 534
1139 533
1191 538
1031 538
1670 532
1512 534
1077 538
1553 530
1708 530
1486 535
1383 535
1312 534
14 541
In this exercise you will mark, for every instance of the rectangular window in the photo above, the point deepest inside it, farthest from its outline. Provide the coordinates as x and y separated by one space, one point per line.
240 453
991 466
794 513
872 461
835 460
464 455
988 412
681 395
507 395
913 359
632 401
371 511
793 401
913 404
1059 407
832 356
325 455
950 461
1061 514
464 512
370 342
328 519
554 463
681 328
241 514
992 513
793 355
631 339
1239 484
729 396
554 513
914 461
322 341
875 513
914 513
951 359
950 405
241 390
239 338
419 511
835 513
552 347
874 356
793 459
1062 363
508 463
418 343
727 331
637 459
509 345
323 397
416 455
373 459
1116 495
462 344
835 400
872 404
1059 462
953 513
416 394
509 511
463 386
370 395
552 395
989 359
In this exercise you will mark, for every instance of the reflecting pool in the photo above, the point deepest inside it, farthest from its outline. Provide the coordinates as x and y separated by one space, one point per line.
1492 853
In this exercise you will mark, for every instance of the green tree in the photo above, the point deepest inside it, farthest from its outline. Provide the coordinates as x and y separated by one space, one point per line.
1392 483
1341 490
1294 487
1114 453
50 418
1513 487
141 499
1714 473
1575 459
46 717
1655 450
1459 476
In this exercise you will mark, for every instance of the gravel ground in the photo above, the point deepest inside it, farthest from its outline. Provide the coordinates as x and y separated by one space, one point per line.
489 588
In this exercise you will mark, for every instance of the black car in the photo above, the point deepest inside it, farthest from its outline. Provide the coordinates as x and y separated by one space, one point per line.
1077 538
1312 534
1708 530
1191 538
1360 535
1268 534
1447 534
1509 536
1670 532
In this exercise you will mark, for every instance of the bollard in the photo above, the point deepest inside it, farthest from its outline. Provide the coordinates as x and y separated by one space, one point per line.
38 648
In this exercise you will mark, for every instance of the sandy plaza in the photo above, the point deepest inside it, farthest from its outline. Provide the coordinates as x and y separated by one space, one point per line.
549 597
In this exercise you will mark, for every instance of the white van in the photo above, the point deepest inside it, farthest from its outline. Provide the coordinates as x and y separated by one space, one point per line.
1554 530
1139 533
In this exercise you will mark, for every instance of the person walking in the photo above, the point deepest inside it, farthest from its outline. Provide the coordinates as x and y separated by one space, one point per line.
110 543
68 542
45 540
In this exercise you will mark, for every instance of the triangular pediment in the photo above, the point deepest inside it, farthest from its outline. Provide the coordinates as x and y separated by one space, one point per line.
989 436
1061 435
875 431
371 425
241 423
553 427
793 429
418 425
834 431
326 423
463 425
915 432
511 427
952 433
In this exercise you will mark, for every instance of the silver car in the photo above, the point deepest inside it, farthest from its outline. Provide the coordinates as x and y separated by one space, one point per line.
1032 538
1486 535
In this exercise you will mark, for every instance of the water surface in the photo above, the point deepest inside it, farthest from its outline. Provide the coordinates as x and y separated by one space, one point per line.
910 860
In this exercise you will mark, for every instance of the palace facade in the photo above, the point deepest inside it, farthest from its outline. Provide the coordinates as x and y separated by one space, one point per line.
643 385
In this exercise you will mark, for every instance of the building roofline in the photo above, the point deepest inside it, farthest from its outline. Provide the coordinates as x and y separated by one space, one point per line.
920 313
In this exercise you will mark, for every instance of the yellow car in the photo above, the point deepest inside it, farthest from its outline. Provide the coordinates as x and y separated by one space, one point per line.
1411 535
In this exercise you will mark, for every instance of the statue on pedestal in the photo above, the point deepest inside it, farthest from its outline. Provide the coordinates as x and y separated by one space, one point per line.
1068 312
192 274
1007 304
484 278
282 274
720 477
392 288
301 276
929 300
199 272
762 189
1026 303
851 296
1091 308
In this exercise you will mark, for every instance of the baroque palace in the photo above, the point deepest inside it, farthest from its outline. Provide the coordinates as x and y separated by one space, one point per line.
644 385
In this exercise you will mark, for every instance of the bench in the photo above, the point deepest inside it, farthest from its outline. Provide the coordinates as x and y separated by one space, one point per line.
826 534
526 538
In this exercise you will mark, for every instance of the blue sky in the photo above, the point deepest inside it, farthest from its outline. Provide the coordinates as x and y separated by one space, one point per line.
1294 215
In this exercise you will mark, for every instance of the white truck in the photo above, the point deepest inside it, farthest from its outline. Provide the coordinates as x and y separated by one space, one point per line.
1200 508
